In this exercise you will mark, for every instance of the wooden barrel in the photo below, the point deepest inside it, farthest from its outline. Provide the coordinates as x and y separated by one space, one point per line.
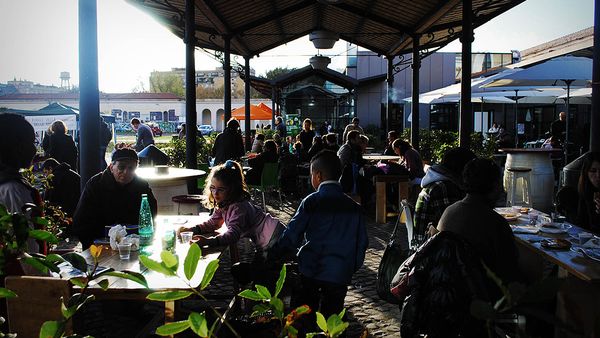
542 174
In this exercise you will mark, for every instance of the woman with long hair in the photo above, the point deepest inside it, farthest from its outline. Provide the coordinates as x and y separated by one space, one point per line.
588 212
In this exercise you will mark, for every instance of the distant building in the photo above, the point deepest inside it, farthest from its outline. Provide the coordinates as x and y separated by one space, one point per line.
28 87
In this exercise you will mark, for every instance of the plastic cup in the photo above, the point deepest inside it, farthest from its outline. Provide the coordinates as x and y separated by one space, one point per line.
186 237
124 250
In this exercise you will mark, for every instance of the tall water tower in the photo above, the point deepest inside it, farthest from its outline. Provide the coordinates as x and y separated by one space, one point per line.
65 78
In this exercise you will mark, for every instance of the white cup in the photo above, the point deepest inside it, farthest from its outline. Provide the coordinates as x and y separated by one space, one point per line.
186 237
124 250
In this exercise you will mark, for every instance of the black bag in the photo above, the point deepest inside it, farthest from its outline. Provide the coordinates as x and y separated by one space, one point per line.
393 256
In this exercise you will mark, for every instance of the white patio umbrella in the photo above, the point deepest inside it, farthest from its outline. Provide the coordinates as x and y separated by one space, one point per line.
579 96
569 71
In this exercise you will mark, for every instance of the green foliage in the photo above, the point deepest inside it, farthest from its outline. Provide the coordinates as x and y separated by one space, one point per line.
277 71
168 266
176 149
376 135
163 82
332 327
433 144
6 293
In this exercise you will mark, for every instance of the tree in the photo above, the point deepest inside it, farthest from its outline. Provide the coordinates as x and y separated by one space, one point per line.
275 72
163 82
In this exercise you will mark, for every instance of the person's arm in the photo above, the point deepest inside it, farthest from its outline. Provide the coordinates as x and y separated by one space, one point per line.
139 140
293 235
236 222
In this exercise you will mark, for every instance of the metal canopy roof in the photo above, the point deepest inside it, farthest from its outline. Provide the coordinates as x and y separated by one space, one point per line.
382 26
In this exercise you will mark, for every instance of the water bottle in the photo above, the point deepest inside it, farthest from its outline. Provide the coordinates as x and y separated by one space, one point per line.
146 227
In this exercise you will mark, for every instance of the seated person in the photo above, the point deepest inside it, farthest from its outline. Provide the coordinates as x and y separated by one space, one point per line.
441 187
328 234
64 183
331 142
288 171
588 211
475 220
269 155
392 136
17 148
317 146
409 158
226 192
257 145
111 197
350 155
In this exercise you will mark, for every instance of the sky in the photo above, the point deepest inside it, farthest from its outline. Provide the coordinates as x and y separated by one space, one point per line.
39 39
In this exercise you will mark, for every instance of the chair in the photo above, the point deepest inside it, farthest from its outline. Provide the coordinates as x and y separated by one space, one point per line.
188 204
38 301
514 175
269 179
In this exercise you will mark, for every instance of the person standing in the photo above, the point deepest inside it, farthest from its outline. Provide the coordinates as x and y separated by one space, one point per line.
353 126
280 127
62 147
558 127
65 185
306 134
105 138
329 237
229 144
144 136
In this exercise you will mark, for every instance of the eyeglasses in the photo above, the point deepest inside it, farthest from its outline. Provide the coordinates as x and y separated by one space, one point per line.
217 190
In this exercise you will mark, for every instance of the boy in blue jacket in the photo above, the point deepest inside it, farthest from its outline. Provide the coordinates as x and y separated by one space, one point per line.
329 233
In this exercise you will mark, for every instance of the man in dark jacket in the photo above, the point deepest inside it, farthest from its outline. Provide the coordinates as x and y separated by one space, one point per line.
228 144
144 136
64 188
111 197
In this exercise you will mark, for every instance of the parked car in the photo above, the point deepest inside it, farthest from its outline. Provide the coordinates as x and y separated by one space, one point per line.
205 129
156 131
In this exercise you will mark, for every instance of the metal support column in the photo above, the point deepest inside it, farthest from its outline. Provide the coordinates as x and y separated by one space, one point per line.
191 119
595 114
227 79
247 125
390 94
416 65
89 97
466 110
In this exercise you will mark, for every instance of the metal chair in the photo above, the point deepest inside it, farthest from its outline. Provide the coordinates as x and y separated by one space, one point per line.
407 217
269 180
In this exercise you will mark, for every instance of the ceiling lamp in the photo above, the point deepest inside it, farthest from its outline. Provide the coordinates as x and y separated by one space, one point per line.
319 62
323 39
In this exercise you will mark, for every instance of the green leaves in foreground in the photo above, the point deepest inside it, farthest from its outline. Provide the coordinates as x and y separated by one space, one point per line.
6 293
196 321
333 327
165 296
191 261
160 267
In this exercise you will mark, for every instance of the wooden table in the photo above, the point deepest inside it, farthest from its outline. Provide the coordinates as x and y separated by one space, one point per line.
542 173
123 289
573 263
373 157
380 182
165 186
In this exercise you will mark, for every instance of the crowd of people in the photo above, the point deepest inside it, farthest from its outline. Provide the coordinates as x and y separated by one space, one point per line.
327 235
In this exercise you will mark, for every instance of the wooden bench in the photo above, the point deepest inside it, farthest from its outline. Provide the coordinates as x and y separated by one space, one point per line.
380 182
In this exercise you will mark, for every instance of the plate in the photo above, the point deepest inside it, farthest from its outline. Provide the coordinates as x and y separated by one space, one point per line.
556 244
555 228
589 253
509 216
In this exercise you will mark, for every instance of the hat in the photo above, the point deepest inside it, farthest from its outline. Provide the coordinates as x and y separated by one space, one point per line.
124 154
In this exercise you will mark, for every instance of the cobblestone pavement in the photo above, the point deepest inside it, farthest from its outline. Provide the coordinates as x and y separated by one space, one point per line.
364 308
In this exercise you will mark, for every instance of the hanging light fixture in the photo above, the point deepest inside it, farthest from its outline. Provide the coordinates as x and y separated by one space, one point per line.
319 62
323 39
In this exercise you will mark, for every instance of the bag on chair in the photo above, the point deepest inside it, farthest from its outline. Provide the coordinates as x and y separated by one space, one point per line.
393 256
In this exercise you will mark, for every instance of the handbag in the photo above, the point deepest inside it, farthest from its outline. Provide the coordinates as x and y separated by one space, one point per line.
393 257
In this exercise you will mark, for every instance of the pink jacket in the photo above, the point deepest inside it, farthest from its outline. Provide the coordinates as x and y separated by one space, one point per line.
242 219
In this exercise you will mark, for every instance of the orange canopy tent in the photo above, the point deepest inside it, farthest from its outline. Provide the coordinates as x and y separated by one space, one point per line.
256 112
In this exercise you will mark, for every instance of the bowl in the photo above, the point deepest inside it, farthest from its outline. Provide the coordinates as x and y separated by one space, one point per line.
554 227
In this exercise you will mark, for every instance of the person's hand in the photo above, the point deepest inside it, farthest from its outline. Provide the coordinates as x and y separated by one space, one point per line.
597 201
202 240
431 230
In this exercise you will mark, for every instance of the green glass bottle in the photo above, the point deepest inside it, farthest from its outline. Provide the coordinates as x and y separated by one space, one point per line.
146 227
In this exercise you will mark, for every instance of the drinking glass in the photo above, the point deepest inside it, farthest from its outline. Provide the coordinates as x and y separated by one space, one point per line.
186 237
124 250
